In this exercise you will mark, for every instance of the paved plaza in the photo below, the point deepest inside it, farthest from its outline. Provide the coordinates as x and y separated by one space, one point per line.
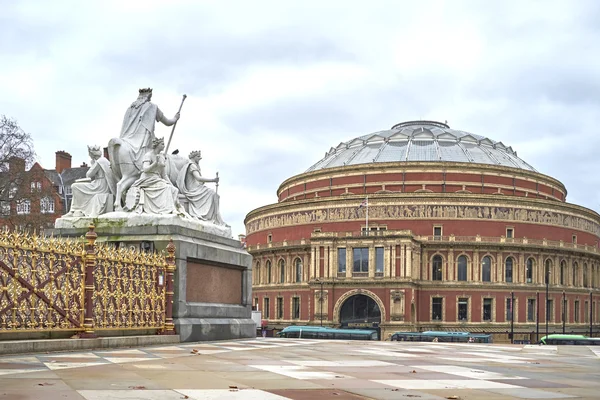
274 368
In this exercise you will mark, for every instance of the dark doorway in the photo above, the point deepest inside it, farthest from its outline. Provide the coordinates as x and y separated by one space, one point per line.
360 312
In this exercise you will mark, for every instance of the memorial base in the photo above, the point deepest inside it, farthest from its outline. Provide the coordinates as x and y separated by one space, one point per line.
213 278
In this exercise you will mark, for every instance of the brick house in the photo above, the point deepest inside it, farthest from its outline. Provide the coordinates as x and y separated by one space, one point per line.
33 199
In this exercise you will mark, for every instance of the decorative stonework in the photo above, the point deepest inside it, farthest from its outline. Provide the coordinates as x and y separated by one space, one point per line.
397 305
350 293
421 211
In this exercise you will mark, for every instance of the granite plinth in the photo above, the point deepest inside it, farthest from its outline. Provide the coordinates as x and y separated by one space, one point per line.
213 278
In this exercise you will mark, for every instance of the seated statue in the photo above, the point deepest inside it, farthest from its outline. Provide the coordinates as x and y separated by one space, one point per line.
93 195
153 193
203 201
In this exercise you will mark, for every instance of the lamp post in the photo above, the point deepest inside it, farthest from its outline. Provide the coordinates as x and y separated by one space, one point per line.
321 302
512 317
564 313
547 302
537 317
591 313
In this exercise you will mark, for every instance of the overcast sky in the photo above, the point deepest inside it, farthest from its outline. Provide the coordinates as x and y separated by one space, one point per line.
272 85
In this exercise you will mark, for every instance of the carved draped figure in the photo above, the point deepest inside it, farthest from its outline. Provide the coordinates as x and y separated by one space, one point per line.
94 198
151 193
138 129
203 201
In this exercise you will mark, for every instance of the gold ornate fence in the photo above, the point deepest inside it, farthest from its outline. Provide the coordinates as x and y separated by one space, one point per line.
54 284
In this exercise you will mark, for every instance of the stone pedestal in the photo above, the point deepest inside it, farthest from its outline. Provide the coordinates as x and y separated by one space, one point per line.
213 279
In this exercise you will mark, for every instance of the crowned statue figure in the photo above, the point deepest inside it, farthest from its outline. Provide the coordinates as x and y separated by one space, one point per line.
138 125
153 193
203 201
93 195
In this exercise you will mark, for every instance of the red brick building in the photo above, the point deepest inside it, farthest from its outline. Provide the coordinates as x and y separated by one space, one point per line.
35 197
457 225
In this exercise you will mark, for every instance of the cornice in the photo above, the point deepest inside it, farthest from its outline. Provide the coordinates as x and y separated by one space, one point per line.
417 166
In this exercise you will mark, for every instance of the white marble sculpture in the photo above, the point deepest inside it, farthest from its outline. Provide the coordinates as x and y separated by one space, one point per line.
93 195
153 193
135 141
203 201
143 184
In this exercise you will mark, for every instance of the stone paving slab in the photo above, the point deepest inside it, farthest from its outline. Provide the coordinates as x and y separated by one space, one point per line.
275 368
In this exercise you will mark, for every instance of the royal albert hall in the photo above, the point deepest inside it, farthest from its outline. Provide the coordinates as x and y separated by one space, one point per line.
423 227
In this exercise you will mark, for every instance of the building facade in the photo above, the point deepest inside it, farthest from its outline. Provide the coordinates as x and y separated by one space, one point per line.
34 198
422 227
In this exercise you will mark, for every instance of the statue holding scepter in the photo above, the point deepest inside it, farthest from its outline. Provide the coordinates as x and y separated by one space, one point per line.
135 141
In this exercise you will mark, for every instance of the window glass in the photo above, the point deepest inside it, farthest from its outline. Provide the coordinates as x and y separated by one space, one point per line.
436 308
529 272
341 260
436 268
487 309
360 259
379 259
486 269
508 270
298 266
463 309
462 268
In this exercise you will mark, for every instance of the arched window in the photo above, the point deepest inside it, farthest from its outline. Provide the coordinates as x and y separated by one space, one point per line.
281 271
547 271
462 268
436 268
585 275
486 269
563 271
529 270
508 270
575 272
268 271
298 265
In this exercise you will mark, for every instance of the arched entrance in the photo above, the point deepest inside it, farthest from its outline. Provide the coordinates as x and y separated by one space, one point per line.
360 312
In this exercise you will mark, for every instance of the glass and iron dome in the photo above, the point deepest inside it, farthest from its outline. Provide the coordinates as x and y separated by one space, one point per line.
421 141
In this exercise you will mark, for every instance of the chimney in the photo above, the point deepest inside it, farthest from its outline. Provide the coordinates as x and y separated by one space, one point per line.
63 161
16 164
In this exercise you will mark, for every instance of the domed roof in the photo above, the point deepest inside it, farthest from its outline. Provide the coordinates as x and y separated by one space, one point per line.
421 141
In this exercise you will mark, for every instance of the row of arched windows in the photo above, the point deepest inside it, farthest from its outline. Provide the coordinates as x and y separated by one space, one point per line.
562 277
265 275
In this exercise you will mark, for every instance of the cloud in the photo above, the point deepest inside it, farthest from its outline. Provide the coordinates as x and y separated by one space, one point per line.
273 85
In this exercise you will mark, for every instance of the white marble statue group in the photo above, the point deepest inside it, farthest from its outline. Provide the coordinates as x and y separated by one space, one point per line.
140 178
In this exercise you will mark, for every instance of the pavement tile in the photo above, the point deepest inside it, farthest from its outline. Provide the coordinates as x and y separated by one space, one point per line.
299 369
19 394
316 394
526 393
227 394
130 394
534 383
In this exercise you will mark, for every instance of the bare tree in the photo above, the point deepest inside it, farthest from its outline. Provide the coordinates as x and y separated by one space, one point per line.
16 148
27 198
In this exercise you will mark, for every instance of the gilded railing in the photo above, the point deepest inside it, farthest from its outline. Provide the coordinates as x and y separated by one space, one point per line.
54 284
129 292
41 283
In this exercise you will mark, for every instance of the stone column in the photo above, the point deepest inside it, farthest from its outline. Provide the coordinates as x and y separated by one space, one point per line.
408 260
476 266
499 268
451 265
